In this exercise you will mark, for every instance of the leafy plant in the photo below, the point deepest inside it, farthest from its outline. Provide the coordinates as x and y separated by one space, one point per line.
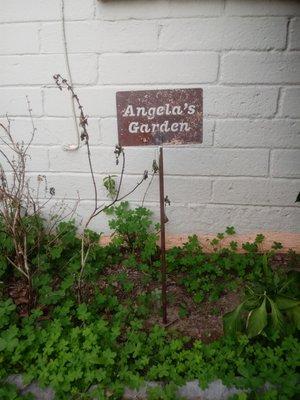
22 227
209 274
77 350
267 307
110 185
134 230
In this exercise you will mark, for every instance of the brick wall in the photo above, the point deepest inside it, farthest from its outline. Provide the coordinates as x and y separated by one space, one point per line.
245 54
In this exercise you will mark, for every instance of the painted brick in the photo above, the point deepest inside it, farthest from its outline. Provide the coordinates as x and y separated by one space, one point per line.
79 211
245 121
146 9
291 103
78 9
192 8
83 211
109 132
99 36
281 192
34 10
130 9
96 101
285 163
195 161
192 67
176 188
261 68
273 133
26 70
13 101
240 101
253 218
262 7
37 160
52 39
65 161
206 218
52 131
44 10
57 103
295 34
229 33
103 160
68 186
128 36
214 218
19 38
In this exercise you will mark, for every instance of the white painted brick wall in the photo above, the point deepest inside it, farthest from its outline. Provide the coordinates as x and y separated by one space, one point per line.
295 34
291 103
39 69
19 38
257 67
13 101
244 54
224 34
285 163
135 68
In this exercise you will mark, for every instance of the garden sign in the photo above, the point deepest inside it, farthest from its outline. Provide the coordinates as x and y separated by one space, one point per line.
158 117
154 117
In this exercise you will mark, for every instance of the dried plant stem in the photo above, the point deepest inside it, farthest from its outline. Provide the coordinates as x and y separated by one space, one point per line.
98 208
19 206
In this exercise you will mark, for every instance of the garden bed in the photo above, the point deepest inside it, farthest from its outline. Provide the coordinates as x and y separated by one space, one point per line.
110 340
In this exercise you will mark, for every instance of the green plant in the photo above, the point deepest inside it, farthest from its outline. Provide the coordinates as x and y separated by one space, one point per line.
267 306
110 185
134 230
77 349
21 207
96 348
211 274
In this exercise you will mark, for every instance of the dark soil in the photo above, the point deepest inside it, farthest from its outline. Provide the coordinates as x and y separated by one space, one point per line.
197 320
203 321
200 320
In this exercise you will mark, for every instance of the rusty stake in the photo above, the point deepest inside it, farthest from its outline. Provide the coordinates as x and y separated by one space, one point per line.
162 236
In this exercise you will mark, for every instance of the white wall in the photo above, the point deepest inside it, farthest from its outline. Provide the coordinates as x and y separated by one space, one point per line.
244 54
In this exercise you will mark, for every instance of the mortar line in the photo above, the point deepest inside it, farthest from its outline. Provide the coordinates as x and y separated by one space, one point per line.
287 43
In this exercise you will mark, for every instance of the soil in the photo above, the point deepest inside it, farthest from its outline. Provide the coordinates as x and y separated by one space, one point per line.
199 321
202 321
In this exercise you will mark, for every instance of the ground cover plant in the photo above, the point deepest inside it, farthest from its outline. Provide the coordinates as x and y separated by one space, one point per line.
85 319
114 338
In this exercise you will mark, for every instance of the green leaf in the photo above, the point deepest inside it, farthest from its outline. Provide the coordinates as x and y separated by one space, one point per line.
55 252
257 320
259 238
277 318
294 315
232 322
230 230
82 312
284 303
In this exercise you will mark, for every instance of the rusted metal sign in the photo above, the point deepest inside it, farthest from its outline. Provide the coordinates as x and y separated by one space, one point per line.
153 117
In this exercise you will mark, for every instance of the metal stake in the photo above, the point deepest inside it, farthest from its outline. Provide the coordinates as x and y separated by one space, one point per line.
162 235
